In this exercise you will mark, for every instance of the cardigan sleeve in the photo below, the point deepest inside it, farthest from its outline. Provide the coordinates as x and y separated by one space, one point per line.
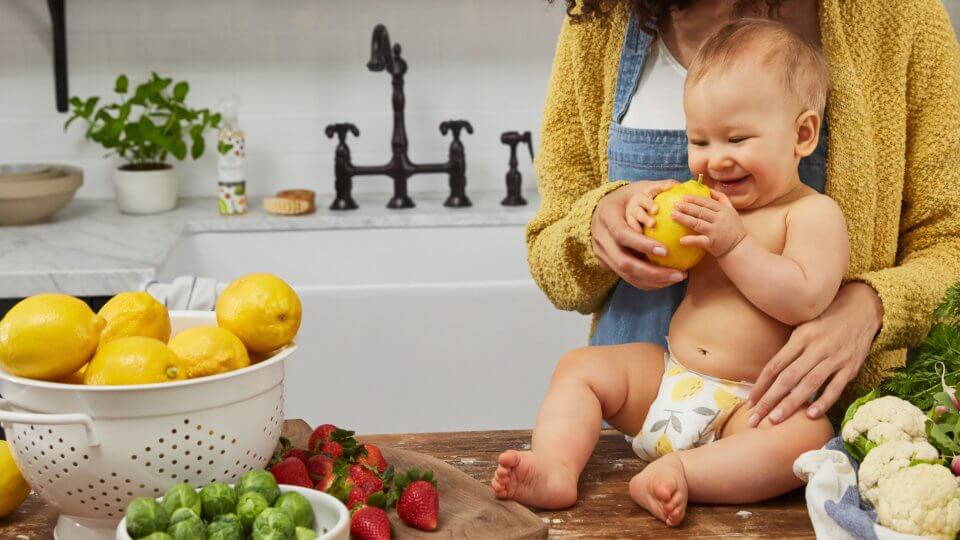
559 247
928 254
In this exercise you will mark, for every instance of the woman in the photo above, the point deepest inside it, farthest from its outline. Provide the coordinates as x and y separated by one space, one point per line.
890 156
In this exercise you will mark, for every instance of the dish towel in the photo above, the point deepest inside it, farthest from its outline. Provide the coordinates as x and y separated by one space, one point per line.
833 500
191 293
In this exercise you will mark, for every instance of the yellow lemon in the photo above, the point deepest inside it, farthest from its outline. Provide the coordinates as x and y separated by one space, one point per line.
76 377
668 232
134 314
48 336
13 488
262 310
675 370
662 446
208 350
687 388
726 400
134 360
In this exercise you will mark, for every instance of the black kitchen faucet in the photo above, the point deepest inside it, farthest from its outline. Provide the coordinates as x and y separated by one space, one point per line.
400 168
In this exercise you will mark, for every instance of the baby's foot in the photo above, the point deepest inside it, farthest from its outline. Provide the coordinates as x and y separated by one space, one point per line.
661 488
534 480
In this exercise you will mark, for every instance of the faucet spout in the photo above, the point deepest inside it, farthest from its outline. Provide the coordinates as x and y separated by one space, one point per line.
382 55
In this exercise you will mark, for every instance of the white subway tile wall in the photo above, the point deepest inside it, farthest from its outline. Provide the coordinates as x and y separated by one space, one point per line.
297 66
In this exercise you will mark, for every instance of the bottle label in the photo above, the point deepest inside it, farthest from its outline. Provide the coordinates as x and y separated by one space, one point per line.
232 197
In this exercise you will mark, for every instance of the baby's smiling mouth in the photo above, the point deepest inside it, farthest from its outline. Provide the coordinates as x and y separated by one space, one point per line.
730 184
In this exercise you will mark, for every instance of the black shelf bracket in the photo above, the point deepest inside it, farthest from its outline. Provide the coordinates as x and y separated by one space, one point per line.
58 21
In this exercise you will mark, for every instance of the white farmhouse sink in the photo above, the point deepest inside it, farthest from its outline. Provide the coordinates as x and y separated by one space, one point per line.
404 329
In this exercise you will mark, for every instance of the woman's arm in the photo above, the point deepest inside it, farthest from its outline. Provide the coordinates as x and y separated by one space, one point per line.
928 257
570 183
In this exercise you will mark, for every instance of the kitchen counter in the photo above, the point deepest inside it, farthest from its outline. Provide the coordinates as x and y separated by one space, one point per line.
604 509
91 249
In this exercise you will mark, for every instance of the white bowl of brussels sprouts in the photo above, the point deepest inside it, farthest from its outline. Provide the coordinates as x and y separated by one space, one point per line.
256 508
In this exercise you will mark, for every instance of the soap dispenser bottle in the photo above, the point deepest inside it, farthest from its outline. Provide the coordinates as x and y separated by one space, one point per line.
231 173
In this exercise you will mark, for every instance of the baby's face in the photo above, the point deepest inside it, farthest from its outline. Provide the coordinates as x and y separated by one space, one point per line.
742 133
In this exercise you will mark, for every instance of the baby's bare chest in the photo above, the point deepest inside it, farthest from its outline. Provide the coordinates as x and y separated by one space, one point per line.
768 227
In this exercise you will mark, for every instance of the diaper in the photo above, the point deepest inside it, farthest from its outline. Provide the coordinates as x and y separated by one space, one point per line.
690 410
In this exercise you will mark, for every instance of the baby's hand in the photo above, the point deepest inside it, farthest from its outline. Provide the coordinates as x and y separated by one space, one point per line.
715 219
640 207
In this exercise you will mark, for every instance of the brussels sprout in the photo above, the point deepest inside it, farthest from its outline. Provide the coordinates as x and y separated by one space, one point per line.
182 514
217 499
273 524
250 505
145 516
229 518
158 536
225 530
297 507
181 496
303 533
260 481
185 525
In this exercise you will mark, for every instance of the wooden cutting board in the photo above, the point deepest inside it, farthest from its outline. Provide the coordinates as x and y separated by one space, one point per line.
468 508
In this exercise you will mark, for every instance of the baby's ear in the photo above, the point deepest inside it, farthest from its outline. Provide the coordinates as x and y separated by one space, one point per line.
808 133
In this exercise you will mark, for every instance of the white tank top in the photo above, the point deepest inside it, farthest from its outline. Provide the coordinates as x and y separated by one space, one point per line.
658 101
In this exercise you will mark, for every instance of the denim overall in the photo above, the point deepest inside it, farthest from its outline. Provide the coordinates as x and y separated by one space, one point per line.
630 314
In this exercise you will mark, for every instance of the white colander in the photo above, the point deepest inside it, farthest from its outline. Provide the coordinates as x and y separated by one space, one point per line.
89 450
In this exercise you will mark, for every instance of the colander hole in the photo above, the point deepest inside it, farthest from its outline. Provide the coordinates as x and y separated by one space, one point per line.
127 481
106 505
41 437
233 441
69 494
33 443
174 462
42 453
60 441
174 431
75 464
210 462
174 447
46 468
173 476
187 437
222 437
116 488
199 472
51 447
156 490
161 470
211 448
104 493
63 456
198 427
50 480
148 464
210 433
102 481
133 457
53 462
147 449
237 463
90 486
79 490
113 474
118 500
161 456
97 508
93 498
186 420
226 472
109 514
142 486
186 467
83 501
57 475
31 428
50 431
199 458
65 471
85 458
72 449
222 452
186 452
129 494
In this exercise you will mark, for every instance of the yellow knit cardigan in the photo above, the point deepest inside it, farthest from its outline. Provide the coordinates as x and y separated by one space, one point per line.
893 160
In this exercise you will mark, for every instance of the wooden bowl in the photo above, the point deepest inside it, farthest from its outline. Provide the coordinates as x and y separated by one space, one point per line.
34 199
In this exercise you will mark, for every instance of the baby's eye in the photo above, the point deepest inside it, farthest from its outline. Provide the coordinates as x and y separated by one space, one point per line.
696 142
735 140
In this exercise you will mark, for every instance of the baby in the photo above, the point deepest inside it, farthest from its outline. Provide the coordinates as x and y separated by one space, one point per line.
776 253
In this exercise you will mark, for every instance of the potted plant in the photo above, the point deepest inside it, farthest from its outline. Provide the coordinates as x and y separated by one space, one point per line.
145 129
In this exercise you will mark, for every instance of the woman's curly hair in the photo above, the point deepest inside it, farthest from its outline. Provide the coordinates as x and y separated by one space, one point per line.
646 9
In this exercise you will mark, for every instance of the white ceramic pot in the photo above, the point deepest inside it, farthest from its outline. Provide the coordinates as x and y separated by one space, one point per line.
145 192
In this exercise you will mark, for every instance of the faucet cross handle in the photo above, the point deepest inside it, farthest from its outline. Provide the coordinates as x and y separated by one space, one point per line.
341 131
455 126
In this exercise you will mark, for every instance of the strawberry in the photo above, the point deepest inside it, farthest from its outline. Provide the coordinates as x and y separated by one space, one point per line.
370 522
321 433
325 483
419 503
357 497
332 449
298 453
319 466
291 471
373 457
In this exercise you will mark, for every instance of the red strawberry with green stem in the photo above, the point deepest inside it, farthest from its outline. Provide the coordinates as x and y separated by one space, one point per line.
292 471
418 504
370 521
371 455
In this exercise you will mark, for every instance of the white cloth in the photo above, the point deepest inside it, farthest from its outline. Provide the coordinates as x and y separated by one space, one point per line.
185 293
833 500
658 101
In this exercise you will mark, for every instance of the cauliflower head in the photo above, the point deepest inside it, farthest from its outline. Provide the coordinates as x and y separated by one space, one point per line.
888 458
881 420
923 500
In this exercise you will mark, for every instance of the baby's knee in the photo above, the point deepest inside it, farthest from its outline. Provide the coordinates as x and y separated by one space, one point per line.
815 431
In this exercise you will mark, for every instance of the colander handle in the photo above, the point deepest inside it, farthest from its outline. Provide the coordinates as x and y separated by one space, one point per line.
40 419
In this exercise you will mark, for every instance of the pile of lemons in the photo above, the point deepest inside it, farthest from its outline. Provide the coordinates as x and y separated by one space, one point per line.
56 337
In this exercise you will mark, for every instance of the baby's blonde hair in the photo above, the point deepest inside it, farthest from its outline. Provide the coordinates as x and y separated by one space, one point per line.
800 66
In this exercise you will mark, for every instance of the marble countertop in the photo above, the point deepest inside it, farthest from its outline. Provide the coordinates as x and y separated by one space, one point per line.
91 249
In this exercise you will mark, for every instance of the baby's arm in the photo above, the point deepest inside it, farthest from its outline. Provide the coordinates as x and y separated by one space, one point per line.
797 285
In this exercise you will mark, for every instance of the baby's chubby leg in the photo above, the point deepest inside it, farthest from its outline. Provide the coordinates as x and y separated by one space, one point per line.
617 383
747 464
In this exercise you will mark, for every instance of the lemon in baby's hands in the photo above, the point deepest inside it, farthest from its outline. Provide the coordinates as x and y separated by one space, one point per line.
668 232
208 350
134 314
262 310
48 336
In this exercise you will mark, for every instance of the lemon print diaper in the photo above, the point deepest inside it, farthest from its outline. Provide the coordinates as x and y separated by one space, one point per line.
690 410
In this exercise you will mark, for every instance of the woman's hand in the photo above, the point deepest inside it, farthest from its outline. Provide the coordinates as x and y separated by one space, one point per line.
717 224
623 249
831 347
